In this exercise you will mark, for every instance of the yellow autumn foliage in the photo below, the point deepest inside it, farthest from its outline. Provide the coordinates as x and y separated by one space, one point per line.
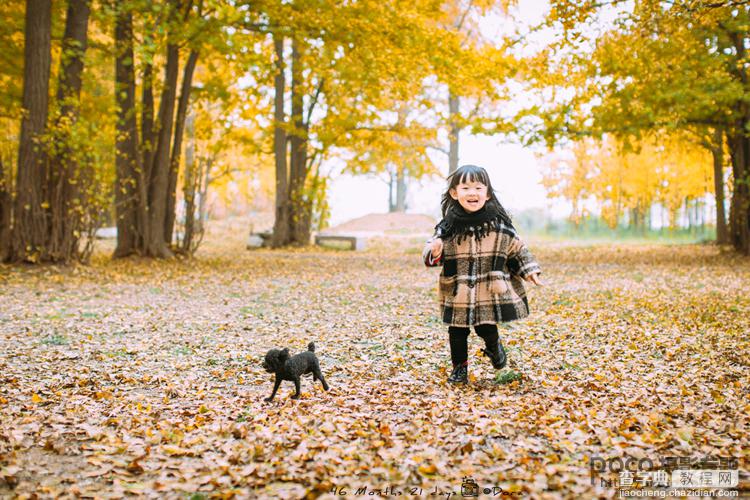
660 168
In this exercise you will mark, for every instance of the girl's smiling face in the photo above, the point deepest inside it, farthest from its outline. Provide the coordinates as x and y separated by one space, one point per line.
471 195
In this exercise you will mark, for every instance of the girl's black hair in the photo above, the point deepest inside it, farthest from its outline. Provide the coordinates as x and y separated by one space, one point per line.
473 173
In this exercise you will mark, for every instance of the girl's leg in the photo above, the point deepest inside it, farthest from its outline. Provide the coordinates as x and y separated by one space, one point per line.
458 337
488 333
494 350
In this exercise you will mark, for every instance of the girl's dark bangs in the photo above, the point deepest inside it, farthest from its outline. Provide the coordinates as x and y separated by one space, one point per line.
466 176
473 175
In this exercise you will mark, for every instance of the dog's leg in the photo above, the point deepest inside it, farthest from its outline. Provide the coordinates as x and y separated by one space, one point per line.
296 386
317 374
276 385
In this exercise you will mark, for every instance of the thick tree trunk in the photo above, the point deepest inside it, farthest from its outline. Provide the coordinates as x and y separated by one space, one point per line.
455 132
174 164
75 42
147 145
6 209
740 151
717 152
281 229
65 180
740 204
30 224
147 113
300 204
156 245
148 140
128 183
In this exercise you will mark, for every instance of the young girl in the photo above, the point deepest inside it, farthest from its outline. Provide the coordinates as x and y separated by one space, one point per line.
484 262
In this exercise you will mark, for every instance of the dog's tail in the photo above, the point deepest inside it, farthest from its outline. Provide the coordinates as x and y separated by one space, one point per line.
311 347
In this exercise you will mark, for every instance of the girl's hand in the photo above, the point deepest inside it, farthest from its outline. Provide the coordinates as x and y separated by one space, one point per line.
437 247
534 278
499 287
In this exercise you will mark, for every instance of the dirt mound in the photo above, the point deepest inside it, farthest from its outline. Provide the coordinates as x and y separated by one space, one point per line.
387 223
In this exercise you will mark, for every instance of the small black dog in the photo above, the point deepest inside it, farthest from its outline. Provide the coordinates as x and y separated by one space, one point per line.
286 368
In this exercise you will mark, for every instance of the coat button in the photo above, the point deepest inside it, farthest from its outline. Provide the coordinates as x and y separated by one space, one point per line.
471 284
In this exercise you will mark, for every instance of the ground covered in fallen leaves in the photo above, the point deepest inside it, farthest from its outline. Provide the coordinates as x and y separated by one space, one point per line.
145 377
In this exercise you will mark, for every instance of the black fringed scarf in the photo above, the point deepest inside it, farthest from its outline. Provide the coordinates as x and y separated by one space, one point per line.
459 224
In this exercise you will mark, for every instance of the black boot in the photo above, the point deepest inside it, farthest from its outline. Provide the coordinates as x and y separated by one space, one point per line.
496 353
460 374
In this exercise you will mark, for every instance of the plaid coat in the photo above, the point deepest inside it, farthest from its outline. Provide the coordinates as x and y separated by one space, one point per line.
480 283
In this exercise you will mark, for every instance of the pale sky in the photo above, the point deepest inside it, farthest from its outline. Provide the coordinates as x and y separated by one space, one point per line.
514 171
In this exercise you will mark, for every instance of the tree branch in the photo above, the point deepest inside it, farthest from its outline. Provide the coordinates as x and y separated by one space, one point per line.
439 149
314 102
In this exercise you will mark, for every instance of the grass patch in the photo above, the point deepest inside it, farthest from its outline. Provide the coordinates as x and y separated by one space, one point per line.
335 245
507 376
182 350
246 415
55 340
251 311
119 353
563 302
62 313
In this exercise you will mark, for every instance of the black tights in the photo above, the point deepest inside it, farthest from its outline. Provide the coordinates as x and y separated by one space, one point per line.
459 336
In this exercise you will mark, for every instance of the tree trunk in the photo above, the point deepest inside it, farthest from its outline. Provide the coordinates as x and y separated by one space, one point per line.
455 132
30 225
203 182
740 204
147 112
148 140
190 185
641 219
147 143
697 216
296 167
174 164
6 207
65 179
717 152
281 224
740 152
400 190
300 203
156 245
391 183
129 182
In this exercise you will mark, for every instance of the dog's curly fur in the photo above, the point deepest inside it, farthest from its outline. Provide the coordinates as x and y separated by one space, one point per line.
278 361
